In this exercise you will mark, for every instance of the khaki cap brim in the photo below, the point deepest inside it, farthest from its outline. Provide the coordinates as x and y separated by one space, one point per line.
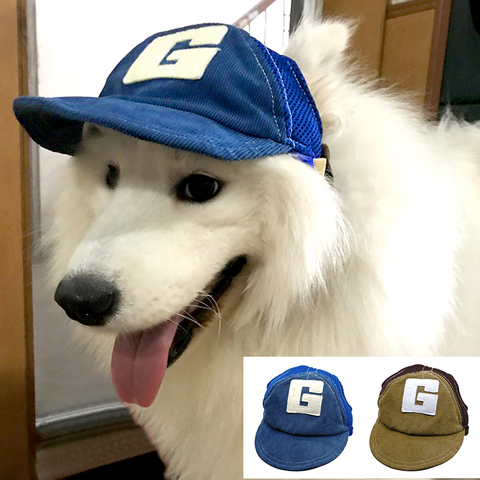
412 452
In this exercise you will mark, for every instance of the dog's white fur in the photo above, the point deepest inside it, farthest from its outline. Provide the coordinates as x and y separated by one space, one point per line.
384 262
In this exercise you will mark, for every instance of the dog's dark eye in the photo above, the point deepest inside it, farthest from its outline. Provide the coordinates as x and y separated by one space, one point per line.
112 177
198 187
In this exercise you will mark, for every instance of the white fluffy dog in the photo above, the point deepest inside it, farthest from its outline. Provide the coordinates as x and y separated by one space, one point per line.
385 260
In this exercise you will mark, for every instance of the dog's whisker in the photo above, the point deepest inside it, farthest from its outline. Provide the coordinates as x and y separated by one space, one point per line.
190 318
216 311
181 327
210 297
179 324
213 306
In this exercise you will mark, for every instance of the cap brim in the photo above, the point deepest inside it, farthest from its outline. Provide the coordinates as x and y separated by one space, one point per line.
294 453
412 452
56 124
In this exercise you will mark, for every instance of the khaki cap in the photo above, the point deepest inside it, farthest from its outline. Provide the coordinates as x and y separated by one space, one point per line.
422 419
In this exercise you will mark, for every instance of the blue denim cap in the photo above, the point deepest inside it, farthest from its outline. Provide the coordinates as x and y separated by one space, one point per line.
306 422
209 88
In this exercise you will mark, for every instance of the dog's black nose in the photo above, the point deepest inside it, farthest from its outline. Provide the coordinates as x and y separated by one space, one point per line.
88 299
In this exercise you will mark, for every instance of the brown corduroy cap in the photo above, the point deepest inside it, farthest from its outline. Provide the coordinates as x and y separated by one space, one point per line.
422 419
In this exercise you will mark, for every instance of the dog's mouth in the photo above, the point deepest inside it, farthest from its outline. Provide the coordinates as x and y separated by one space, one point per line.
202 307
140 359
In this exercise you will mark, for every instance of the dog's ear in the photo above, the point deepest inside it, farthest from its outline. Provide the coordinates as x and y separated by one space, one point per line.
319 48
305 238
317 45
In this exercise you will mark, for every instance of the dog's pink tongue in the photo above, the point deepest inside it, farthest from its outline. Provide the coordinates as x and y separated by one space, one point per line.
139 362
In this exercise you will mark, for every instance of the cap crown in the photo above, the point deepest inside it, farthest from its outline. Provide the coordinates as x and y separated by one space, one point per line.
422 401
305 401
222 73
210 88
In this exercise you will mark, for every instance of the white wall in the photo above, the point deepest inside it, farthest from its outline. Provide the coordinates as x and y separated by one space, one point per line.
79 42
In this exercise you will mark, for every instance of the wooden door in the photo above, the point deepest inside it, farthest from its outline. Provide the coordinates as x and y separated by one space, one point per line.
401 42
17 450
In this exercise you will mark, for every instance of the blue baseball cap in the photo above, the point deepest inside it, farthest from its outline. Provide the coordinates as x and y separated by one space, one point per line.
208 88
306 422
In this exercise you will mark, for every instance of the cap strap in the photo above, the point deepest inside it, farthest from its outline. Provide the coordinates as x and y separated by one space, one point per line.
322 164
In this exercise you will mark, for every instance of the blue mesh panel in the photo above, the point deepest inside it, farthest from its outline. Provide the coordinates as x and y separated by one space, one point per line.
302 120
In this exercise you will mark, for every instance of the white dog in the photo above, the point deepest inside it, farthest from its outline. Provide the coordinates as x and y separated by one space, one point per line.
281 260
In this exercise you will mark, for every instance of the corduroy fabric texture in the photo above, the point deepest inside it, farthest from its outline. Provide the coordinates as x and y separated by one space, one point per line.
209 88
307 420
428 436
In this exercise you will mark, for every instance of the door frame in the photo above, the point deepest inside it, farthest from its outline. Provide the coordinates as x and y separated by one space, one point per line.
17 398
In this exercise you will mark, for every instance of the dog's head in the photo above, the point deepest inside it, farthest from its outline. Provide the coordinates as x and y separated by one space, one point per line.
145 234
151 241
